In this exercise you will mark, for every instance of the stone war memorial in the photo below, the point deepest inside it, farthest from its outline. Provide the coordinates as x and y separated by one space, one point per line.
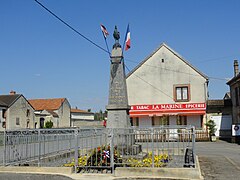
118 108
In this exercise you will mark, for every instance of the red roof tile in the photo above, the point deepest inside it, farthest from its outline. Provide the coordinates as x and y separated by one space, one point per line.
46 104
80 111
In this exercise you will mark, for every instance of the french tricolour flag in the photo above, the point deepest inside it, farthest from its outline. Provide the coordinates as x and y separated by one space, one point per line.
128 41
104 31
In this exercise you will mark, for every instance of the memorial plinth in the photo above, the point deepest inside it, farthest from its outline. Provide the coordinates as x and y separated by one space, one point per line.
118 108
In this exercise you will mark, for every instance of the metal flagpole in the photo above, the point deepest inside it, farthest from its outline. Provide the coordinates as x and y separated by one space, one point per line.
125 39
107 45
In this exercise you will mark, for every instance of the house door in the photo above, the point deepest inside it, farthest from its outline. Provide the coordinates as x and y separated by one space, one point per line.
41 122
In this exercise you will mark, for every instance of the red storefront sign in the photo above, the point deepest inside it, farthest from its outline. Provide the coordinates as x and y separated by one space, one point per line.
168 109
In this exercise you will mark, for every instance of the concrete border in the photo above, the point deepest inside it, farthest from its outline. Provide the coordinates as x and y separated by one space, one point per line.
37 170
120 172
173 173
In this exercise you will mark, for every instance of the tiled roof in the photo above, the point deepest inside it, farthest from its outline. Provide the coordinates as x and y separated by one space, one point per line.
80 111
46 104
53 113
234 80
8 100
2 104
219 102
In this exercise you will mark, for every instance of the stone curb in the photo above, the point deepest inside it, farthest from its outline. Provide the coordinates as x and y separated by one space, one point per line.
120 173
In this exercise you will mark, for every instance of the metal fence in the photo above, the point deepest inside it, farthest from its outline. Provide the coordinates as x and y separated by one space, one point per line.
37 147
100 149
165 146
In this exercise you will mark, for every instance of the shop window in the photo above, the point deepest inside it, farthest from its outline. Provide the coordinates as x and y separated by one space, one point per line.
164 120
153 124
181 93
182 120
201 118
17 121
137 121
131 121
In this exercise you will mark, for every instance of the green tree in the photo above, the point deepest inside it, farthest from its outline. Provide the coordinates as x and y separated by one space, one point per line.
211 127
49 124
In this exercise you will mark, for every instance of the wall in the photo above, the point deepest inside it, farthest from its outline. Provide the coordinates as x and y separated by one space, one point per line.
158 79
235 108
19 110
1 119
64 114
86 123
86 116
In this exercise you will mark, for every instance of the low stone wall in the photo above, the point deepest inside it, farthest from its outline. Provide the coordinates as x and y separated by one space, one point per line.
88 123
174 173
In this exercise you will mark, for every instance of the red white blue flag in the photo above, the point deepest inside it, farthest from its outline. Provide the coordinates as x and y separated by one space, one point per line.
128 40
104 31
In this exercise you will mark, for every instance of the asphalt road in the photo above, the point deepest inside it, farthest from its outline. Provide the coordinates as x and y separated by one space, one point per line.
219 160
23 176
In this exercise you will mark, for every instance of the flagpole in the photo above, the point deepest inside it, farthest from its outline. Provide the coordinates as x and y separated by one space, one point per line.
105 33
107 46
125 39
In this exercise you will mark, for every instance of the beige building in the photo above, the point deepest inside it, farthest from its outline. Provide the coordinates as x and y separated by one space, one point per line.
81 118
56 110
15 112
165 89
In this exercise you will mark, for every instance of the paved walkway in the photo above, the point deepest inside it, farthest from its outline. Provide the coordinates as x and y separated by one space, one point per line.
219 160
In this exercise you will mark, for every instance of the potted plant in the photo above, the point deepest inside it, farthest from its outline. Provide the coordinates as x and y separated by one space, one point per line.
211 129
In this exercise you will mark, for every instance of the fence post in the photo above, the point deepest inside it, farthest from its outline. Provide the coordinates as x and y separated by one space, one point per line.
39 147
112 150
193 144
76 150
152 144
4 155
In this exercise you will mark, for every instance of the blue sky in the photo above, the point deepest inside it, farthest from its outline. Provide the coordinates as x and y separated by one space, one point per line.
42 58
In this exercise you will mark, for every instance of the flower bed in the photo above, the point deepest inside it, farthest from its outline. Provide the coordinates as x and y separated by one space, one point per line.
100 158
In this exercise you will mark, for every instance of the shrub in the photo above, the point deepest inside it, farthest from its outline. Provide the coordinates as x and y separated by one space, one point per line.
49 124
211 127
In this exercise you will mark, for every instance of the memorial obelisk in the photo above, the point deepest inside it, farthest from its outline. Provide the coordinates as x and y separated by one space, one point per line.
117 108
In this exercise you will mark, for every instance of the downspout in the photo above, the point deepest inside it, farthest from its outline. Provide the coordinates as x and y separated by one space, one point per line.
206 93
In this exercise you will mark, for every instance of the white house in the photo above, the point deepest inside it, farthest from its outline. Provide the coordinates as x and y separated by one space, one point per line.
15 112
165 89
80 118
56 110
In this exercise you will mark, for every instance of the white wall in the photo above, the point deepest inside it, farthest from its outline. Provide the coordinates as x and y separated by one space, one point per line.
19 110
222 122
64 114
82 116
163 76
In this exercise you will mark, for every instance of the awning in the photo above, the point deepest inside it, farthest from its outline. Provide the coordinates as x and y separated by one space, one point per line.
168 109
155 113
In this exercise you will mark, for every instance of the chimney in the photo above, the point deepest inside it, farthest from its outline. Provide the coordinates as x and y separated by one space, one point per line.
235 65
12 92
